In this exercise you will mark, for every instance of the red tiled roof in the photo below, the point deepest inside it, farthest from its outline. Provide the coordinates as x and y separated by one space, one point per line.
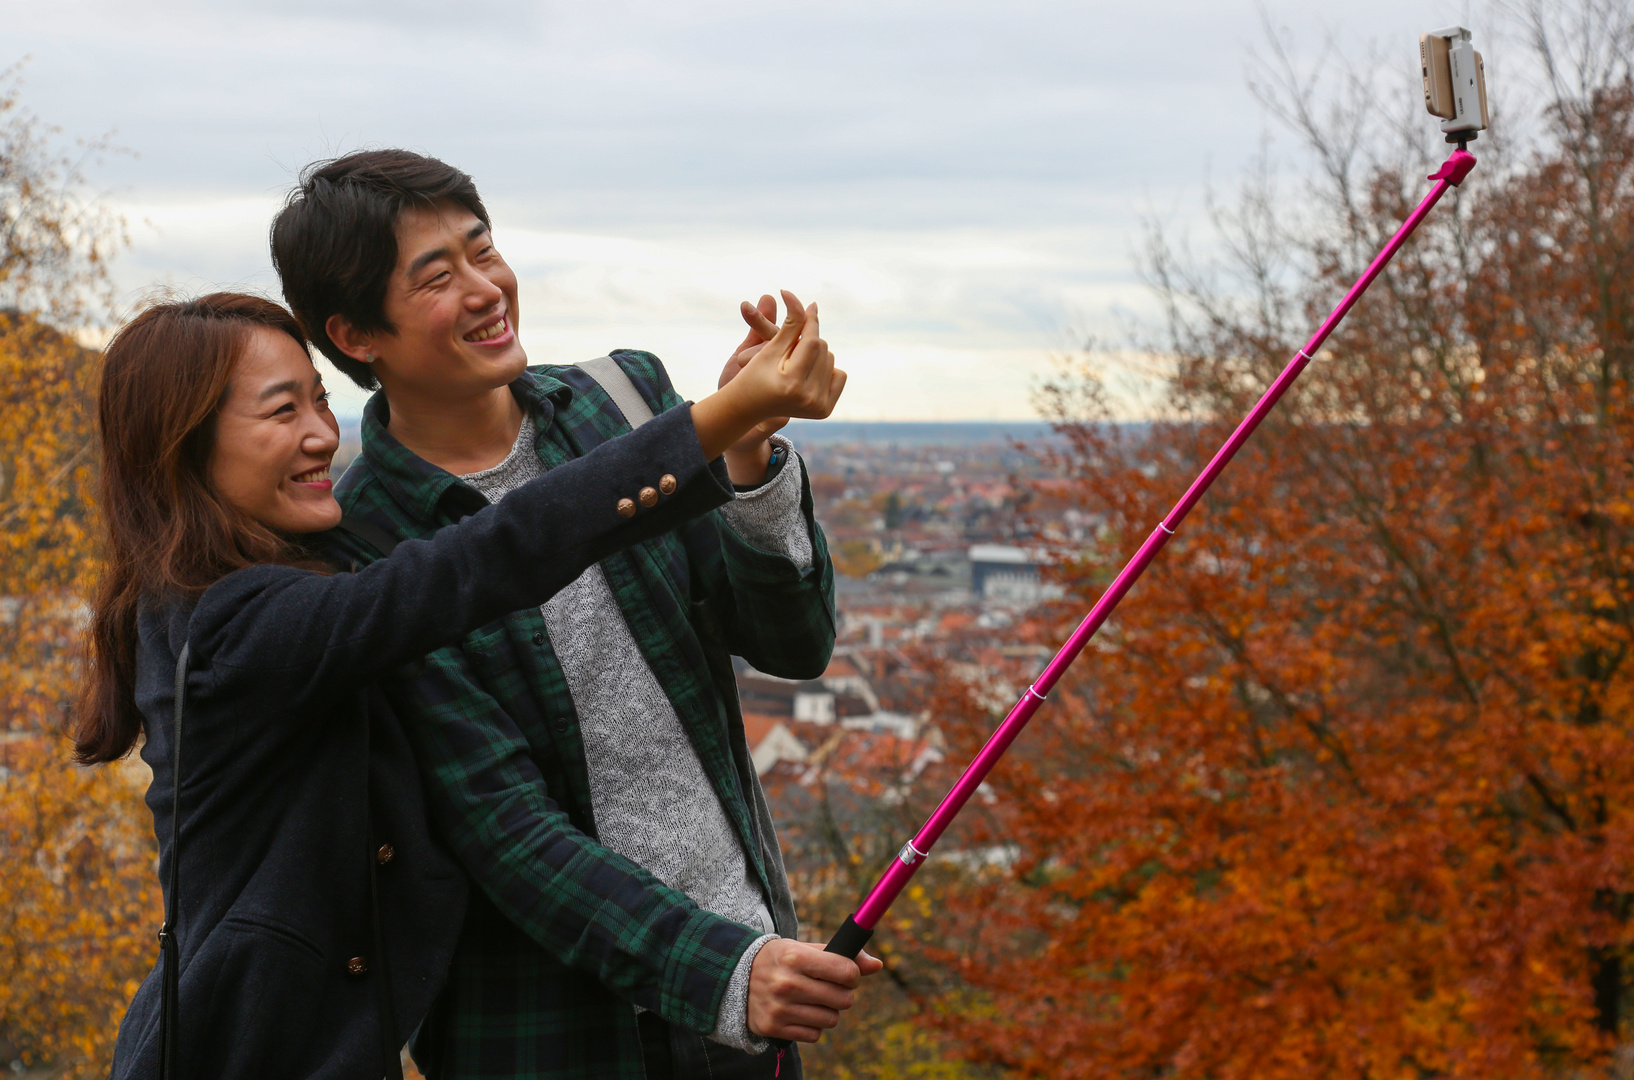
841 667
756 726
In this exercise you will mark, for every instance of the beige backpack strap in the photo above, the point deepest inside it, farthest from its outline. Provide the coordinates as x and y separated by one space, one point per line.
611 377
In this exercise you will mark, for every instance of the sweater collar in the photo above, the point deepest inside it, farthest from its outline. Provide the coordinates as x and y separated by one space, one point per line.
421 487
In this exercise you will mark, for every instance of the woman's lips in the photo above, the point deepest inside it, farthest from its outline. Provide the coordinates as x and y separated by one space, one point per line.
314 479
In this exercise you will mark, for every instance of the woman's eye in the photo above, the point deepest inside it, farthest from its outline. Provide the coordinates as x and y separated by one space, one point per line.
323 399
286 407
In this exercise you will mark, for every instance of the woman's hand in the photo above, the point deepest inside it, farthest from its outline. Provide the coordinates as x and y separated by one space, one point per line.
792 374
797 991
746 460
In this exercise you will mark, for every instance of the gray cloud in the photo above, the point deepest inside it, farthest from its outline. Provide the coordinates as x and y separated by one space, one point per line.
705 123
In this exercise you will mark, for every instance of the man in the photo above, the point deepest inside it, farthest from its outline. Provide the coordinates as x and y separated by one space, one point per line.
586 760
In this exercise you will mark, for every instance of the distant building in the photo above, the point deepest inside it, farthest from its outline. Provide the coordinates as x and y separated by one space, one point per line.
814 706
844 677
770 741
842 698
1001 572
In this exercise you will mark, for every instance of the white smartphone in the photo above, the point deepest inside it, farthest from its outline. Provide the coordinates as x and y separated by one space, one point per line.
1454 79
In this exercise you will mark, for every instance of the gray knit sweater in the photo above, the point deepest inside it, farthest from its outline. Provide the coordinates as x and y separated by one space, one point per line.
651 799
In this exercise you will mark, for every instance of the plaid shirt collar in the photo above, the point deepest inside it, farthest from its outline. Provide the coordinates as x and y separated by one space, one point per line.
418 485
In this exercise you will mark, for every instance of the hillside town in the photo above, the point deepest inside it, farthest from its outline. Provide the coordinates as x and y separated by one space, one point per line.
941 535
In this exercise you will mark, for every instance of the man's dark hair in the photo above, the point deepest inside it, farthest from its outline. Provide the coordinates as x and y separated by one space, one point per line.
334 244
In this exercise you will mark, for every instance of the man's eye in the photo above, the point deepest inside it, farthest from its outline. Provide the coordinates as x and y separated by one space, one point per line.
286 407
323 399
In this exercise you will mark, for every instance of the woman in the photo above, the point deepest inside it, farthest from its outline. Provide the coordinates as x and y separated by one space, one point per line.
312 906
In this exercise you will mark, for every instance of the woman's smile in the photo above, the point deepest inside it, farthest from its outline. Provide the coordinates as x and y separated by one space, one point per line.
316 479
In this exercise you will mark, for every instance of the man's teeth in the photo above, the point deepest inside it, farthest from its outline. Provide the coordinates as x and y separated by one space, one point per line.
492 331
314 476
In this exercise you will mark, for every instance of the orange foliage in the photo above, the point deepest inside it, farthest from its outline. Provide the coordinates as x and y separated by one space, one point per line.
1347 787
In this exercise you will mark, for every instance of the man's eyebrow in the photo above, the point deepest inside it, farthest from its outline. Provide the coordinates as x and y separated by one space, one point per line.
288 386
421 261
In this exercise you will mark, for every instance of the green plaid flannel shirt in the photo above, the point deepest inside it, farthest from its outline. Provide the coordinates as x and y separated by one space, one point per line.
564 935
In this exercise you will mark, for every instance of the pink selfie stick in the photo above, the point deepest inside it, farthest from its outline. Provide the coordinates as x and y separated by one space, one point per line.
859 926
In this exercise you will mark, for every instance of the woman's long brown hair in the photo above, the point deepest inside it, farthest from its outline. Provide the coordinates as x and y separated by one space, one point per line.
168 534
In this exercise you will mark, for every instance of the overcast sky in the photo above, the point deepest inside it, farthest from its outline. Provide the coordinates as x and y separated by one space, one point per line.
959 184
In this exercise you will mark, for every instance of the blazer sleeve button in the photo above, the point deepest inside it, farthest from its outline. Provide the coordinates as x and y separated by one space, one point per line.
626 508
666 484
356 966
384 854
649 497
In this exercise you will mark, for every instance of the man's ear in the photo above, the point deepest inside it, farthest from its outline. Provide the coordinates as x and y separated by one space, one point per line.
348 339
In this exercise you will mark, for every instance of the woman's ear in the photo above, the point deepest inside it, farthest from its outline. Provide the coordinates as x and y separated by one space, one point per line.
348 340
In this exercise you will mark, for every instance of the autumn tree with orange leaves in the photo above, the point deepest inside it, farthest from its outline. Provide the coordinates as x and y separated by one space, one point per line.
78 899
1346 789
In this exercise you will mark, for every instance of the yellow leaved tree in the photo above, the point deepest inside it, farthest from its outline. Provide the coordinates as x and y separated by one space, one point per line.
78 896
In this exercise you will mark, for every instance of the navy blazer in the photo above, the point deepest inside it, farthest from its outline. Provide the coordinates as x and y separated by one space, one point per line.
296 773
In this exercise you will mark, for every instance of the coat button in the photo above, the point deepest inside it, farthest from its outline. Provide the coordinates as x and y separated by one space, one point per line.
538 637
356 966
648 497
560 725
666 484
384 854
626 508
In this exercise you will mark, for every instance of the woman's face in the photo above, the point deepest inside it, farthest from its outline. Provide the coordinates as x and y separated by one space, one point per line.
275 437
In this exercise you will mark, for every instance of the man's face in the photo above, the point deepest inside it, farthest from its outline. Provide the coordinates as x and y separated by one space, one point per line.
453 301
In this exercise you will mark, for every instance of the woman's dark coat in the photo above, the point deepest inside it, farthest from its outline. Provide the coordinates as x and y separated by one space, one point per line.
296 774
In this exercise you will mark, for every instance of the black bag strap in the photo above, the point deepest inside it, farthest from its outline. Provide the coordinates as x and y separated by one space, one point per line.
169 948
370 533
